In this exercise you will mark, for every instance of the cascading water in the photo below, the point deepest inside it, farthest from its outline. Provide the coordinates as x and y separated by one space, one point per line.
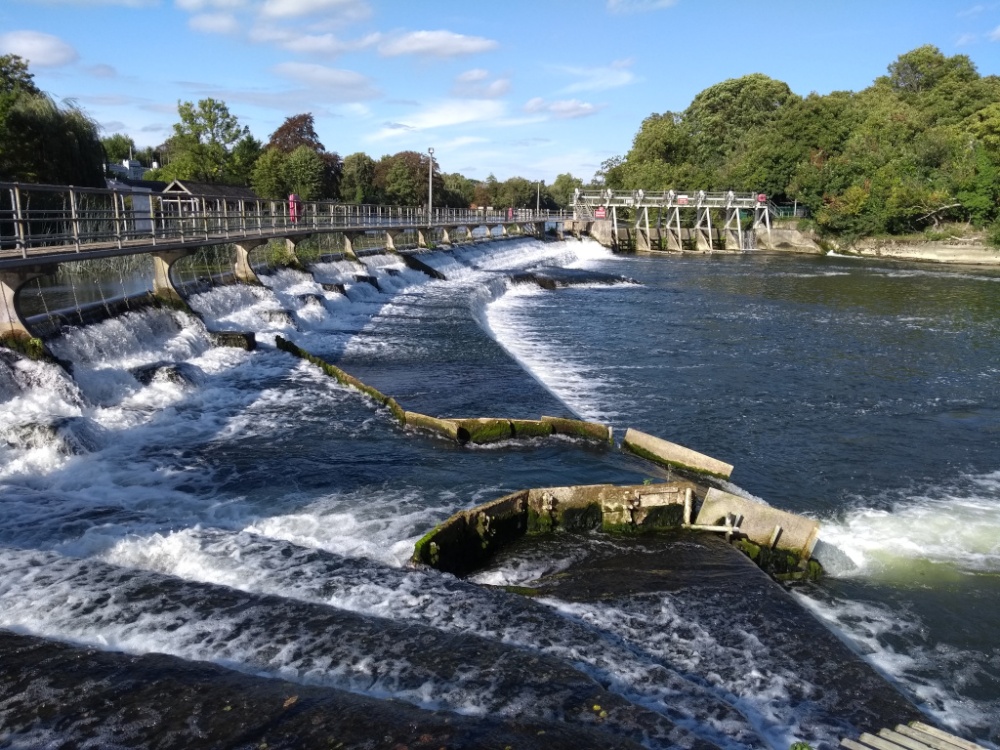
243 509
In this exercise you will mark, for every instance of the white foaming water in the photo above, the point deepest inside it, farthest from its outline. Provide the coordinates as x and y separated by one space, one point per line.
933 532
587 390
869 628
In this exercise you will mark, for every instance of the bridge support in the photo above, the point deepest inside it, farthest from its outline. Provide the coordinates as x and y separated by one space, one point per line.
703 230
734 230
244 271
12 323
675 238
643 238
446 235
422 235
349 238
390 240
163 285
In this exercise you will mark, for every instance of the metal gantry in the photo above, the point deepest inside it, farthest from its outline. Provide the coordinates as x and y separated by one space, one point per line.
667 205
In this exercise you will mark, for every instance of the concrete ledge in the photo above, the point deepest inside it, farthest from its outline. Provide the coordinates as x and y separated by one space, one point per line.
445 427
342 377
467 540
238 339
578 428
665 453
761 524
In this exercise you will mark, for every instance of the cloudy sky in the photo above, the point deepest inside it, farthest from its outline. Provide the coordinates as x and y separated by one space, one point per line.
510 87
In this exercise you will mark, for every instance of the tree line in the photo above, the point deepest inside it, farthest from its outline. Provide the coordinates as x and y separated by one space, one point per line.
916 150
43 142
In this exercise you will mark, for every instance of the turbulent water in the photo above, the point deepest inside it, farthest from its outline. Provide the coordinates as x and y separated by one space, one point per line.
243 509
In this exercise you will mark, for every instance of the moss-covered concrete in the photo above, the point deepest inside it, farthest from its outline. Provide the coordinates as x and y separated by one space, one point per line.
27 346
784 565
342 377
246 340
444 427
672 455
578 428
485 429
529 428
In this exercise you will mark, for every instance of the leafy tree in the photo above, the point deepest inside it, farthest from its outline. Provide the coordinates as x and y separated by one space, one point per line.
299 131
243 159
40 141
118 147
459 191
15 76
402 179
268 175
202 142
304 173
357 181
563 189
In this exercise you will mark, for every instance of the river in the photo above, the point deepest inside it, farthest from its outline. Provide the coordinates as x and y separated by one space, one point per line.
224 506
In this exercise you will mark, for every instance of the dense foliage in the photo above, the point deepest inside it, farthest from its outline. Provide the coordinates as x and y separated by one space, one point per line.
40 140
919 147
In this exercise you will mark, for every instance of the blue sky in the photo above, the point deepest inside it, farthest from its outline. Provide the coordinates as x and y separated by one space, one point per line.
512 87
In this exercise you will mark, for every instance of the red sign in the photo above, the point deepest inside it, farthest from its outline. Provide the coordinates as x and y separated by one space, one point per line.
600 212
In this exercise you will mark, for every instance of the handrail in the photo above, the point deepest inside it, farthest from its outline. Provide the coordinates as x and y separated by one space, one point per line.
37 220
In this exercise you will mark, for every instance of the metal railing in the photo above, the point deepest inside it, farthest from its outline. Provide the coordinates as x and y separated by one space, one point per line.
607 198
43 219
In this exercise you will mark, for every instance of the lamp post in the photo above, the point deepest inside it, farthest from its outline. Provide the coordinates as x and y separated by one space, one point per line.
430 185
538 197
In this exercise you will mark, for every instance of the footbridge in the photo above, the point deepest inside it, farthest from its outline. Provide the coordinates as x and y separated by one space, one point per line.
654 218
42 226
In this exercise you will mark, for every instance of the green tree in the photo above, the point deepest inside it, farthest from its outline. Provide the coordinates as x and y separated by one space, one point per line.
268 175
242 160
304 173
299 131
402 179
118 147
563 189
15 76
202 142
357 182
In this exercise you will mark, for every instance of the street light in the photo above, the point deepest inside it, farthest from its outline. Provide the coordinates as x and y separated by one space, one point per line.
538 197
430 185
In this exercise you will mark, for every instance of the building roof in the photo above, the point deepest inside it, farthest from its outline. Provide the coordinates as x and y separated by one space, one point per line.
211 189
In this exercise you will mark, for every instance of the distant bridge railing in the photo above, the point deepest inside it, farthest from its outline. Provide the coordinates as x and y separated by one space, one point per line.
590 199
37 220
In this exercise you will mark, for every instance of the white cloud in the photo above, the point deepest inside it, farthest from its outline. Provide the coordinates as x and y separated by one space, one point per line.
464 140
472 85
102 71
638 6
344 10
214 23
566 109
40 50
600 79
342 85
436 44
444 114
975 10
124 3
197 6
326 45
473 76
995 35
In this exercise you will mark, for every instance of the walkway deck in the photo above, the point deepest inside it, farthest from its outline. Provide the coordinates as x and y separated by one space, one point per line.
915 736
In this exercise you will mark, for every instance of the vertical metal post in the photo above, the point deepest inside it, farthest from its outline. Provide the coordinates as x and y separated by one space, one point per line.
430 185
118 218
20 222
74 218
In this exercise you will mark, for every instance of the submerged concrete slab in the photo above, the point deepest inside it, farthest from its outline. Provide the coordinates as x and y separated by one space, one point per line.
761 524
670 454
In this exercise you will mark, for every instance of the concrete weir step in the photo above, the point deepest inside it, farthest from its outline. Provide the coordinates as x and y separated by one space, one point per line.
672 455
